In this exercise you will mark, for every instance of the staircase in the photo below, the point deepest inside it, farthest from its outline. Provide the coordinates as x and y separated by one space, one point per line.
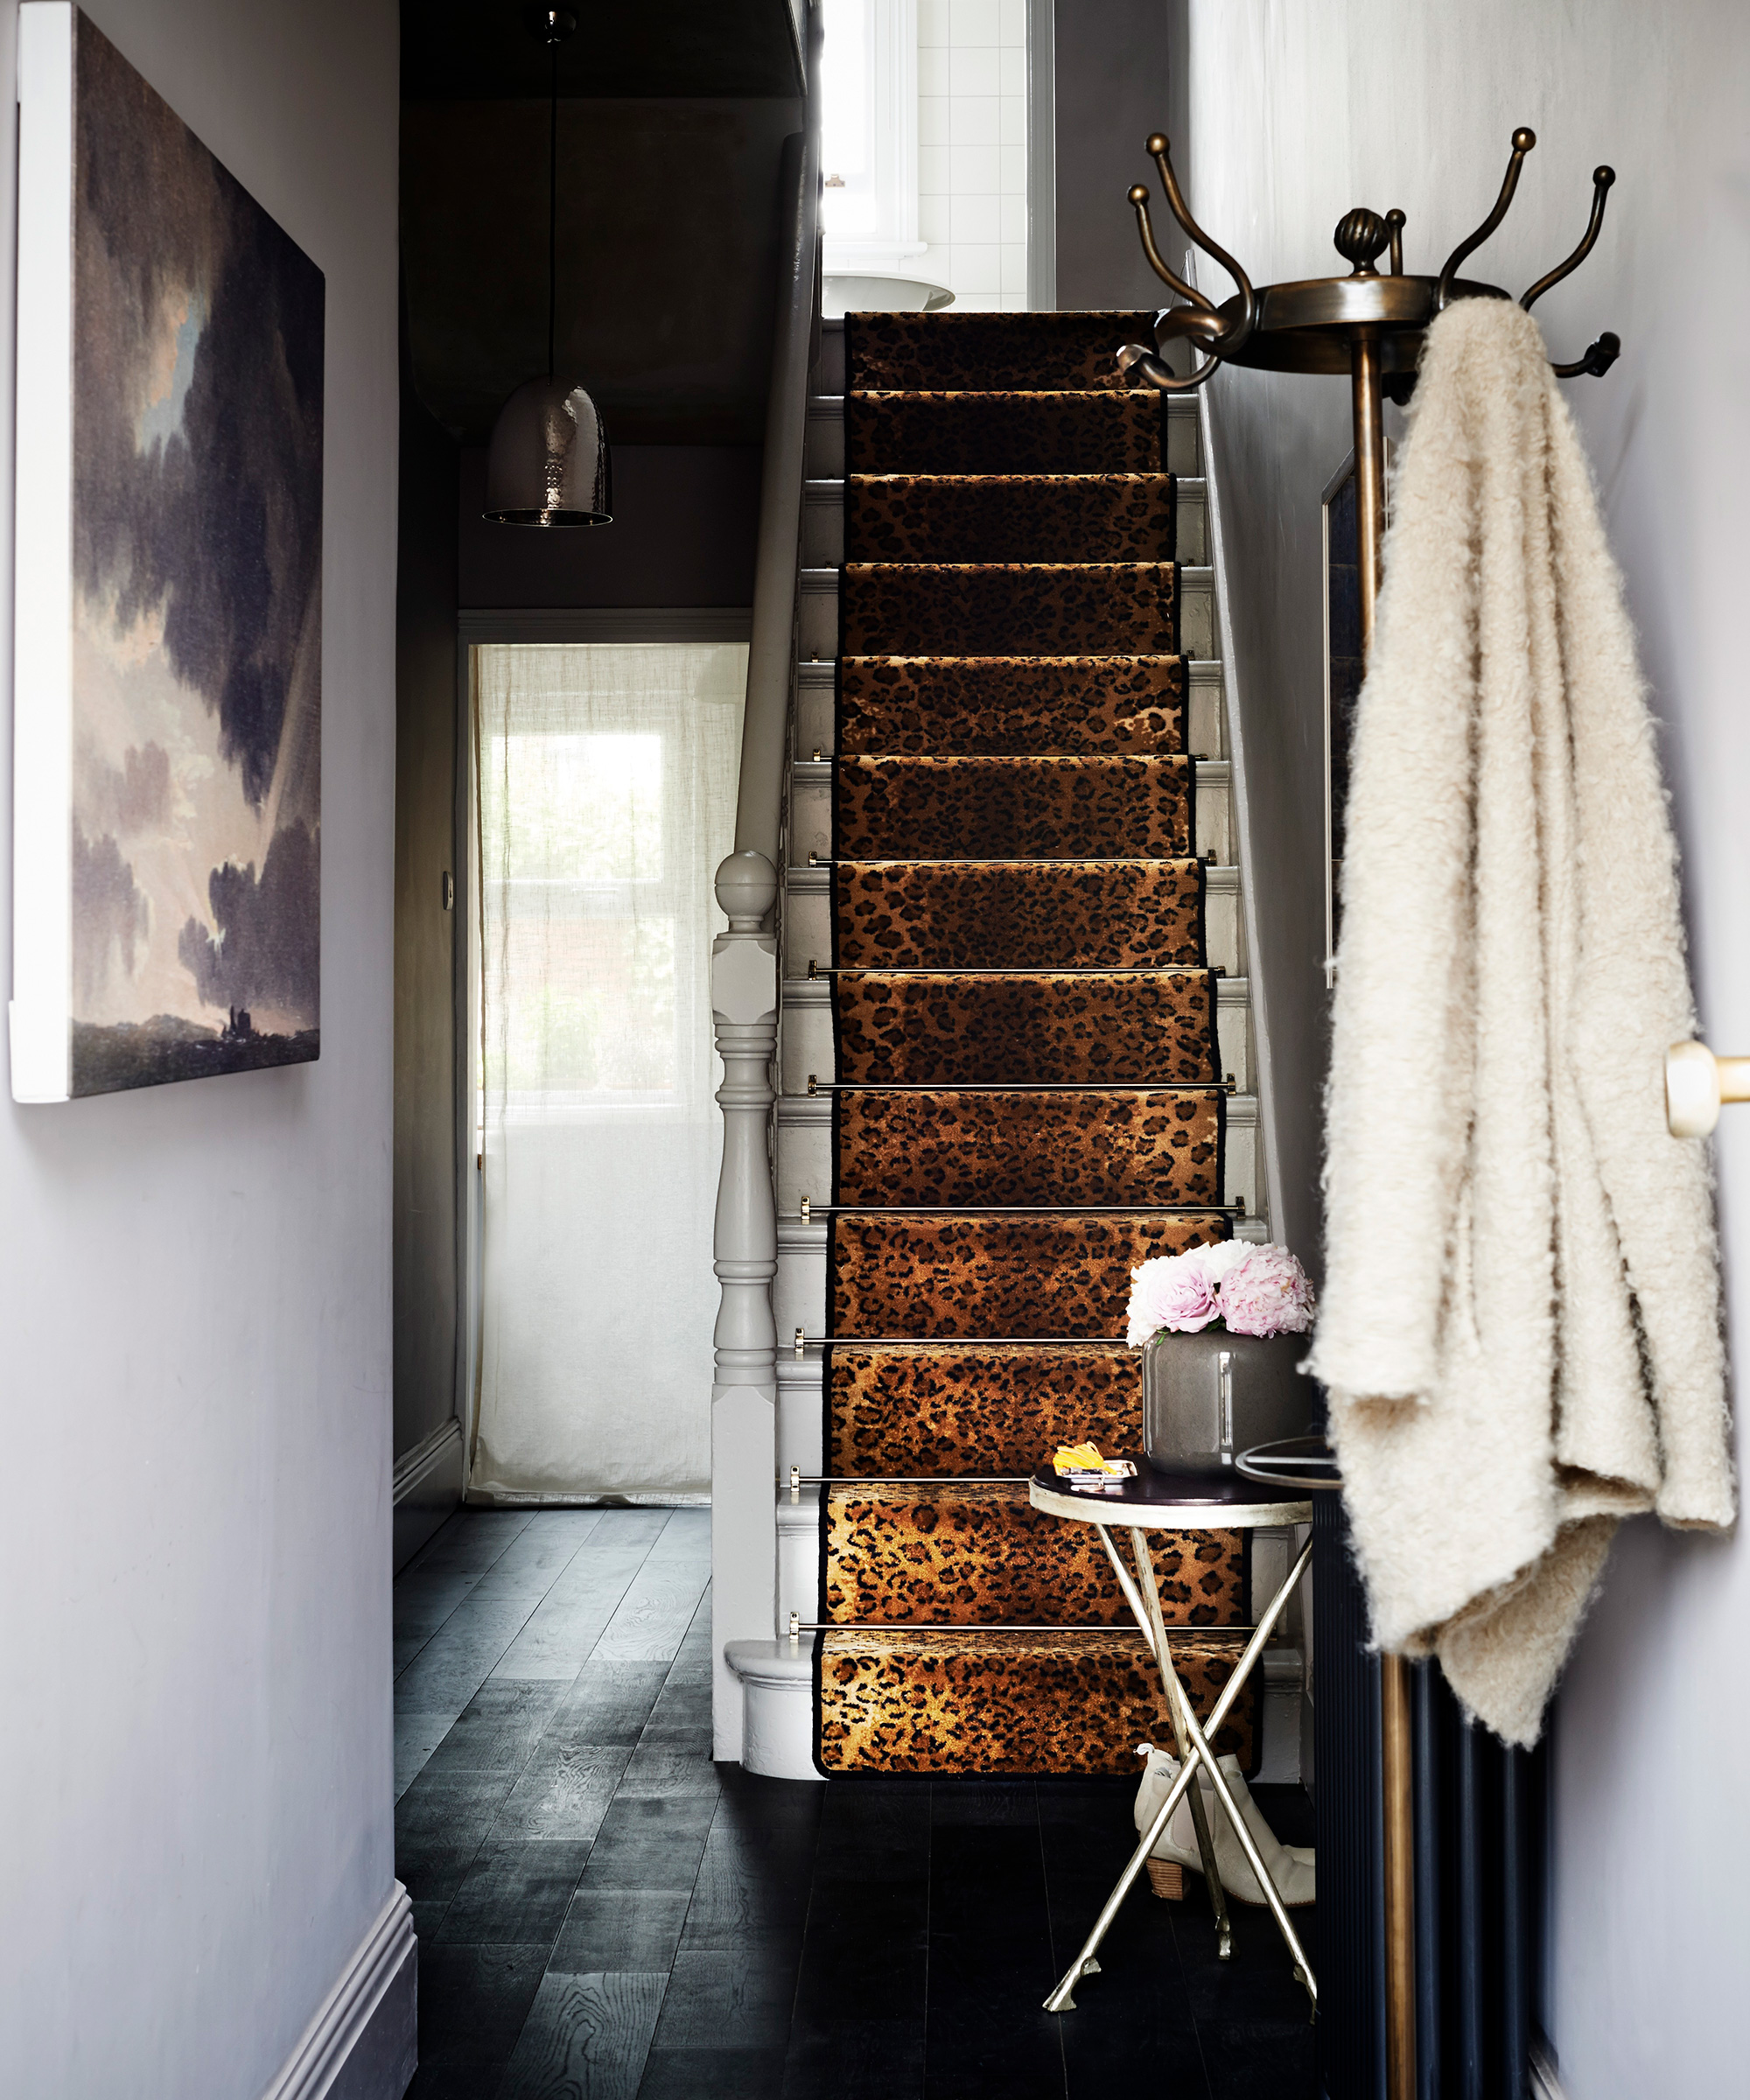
1015 1049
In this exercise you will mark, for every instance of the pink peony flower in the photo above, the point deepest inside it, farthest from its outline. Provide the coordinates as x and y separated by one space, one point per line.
1172 1291
1266 1294
1218 1259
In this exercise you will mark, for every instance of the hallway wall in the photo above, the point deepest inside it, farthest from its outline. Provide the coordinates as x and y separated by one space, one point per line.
1296 115
1110 75
685 520
428 1437
194 1302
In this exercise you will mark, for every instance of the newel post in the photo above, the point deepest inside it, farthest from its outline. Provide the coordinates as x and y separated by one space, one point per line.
744 1391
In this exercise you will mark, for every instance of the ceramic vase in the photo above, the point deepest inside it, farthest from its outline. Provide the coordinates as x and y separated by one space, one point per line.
1207 1397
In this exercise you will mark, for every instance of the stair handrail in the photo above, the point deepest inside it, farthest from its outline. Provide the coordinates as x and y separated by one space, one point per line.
771 650
745 975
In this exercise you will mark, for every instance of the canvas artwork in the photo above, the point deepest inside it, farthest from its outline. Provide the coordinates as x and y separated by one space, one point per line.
190 826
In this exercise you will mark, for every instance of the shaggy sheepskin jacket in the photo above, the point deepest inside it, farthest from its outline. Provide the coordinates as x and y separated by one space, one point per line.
1521 1330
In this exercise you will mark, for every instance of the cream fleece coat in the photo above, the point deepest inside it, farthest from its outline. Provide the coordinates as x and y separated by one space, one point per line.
1519 1330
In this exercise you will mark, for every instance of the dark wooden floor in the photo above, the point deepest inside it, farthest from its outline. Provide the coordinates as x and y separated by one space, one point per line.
603 1913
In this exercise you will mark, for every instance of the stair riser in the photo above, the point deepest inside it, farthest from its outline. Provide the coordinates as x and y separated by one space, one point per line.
825 448
975 808
901 1413
1004 707
799 1300
1096 431
955 1151
1006 609
807 914
807 1039
1021 1276
1080 1711
981 1556
910 353
827 534
811 798
815 708
819 617
779 1730
804 1164
947 1031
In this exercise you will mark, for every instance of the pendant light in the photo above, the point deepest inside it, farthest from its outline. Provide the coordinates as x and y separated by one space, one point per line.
548 464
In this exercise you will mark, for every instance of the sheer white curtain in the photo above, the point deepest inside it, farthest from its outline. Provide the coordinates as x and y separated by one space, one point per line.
605 798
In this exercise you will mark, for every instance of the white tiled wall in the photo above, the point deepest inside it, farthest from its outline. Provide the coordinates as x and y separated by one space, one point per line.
972 153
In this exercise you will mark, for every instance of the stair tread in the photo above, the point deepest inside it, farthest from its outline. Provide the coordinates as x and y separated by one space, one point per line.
985 805
948 1552
1059 430
985 608
971 705
1063 914
1041 1029
1071 1700
962 1277
995 352
901 1408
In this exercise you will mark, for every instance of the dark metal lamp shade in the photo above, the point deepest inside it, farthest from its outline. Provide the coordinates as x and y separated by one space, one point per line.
548 462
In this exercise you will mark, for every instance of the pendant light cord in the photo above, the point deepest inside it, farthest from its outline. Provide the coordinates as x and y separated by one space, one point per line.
552 208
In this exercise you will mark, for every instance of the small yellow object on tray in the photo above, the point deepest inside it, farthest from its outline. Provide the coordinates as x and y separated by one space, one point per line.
1083 1462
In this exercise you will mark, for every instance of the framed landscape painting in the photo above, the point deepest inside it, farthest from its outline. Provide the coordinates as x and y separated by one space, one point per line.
167 674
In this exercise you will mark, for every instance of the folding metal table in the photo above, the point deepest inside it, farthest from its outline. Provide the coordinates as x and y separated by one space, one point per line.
1153 1500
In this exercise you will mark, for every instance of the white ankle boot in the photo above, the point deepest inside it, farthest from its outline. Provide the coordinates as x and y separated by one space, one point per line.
1290 1866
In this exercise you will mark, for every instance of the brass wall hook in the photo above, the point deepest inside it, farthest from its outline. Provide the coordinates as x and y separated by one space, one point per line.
1217 332
1523 141
1315 325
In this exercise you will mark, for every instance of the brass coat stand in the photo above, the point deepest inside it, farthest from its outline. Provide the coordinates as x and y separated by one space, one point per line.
1370 327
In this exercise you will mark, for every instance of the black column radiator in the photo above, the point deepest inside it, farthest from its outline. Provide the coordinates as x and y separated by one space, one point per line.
1480 1818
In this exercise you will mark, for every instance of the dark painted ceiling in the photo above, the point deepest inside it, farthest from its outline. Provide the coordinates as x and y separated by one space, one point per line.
671 128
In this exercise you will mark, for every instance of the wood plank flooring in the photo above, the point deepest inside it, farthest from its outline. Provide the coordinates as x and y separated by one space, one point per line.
603 1913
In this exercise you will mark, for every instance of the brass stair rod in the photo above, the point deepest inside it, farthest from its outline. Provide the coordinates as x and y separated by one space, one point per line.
817 1087
812 1210
799 1625
1082 969
955 1341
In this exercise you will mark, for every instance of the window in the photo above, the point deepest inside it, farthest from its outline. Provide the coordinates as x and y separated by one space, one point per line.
604 778
869 133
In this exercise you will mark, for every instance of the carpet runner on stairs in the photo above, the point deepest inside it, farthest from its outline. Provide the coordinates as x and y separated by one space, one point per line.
1028 1094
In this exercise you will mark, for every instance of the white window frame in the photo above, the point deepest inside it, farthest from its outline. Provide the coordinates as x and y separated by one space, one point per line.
892 57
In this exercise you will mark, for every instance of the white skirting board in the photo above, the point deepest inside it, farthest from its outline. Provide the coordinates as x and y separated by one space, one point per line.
427 1487
1545 2085
363 2042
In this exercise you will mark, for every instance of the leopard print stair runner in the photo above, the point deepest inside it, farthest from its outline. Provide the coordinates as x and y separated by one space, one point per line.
992 916
960 433
939 707
1009 517
901 1026
1072 1701
904 1409
1053 808
1008 608
1014 812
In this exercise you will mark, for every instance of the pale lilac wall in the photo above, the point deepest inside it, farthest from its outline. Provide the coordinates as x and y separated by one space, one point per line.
194 1294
